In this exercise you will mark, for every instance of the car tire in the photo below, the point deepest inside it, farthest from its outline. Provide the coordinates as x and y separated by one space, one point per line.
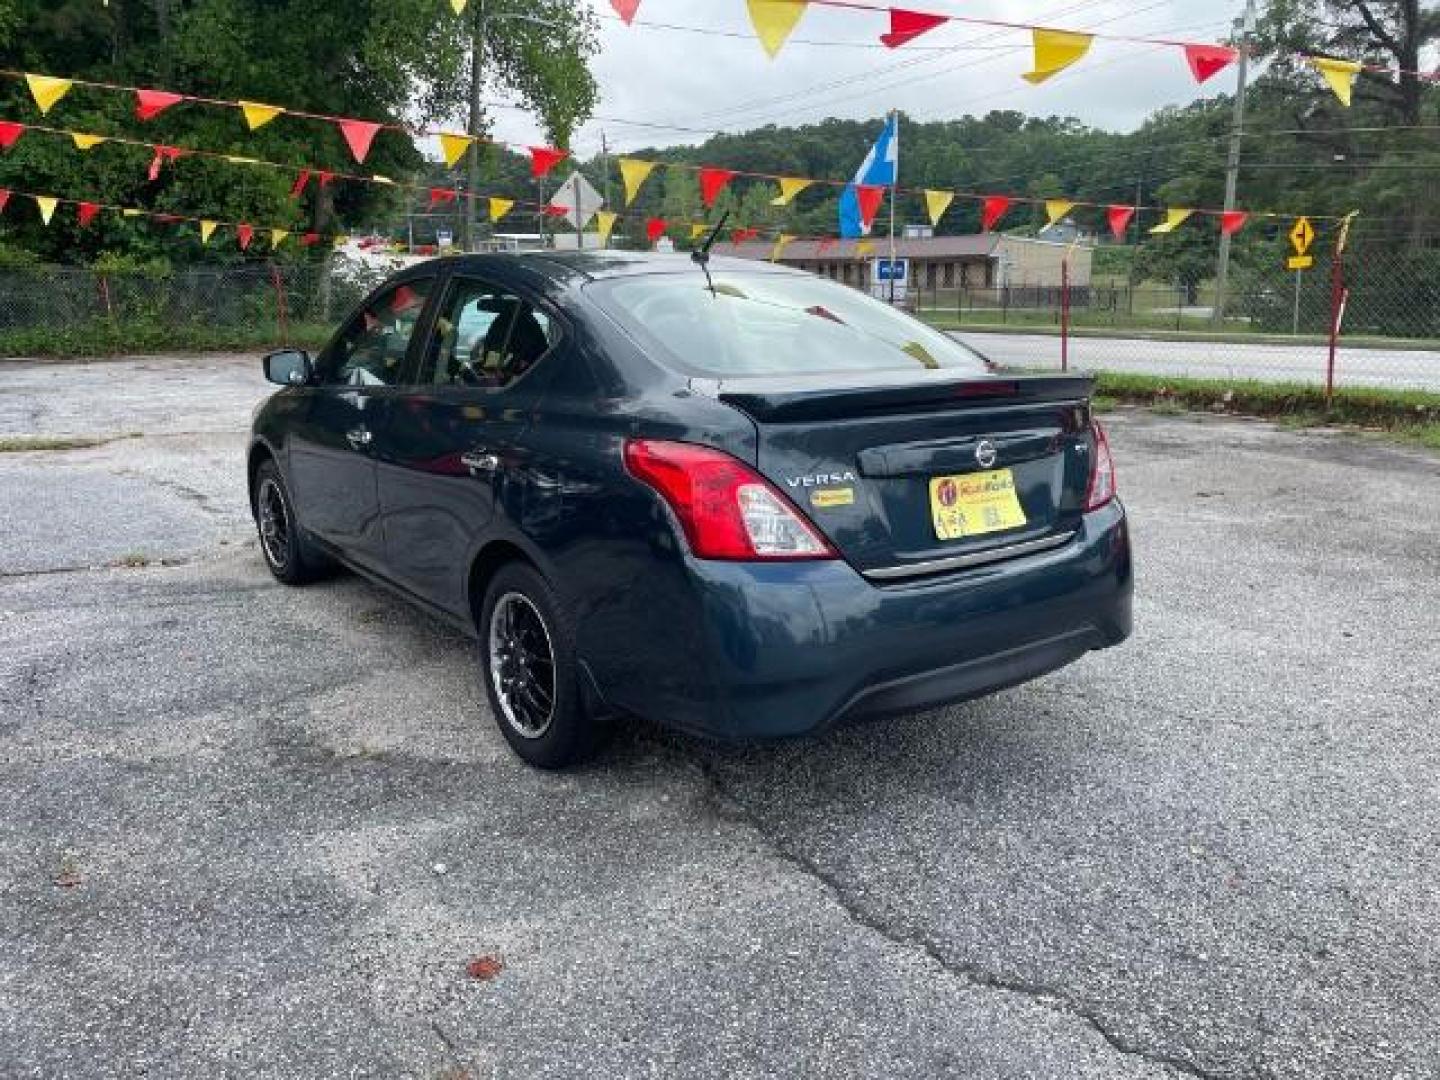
532 679
291 555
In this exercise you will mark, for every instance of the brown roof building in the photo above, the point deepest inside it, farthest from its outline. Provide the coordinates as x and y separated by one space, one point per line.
976 261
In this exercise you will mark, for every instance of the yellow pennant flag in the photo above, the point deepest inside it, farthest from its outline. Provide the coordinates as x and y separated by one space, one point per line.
1055 50
864 247
236 159
340 241
773 20
634 172
604 222
376 178
698 229
47 204
454 147
257 115
790 186
130 213
277 237
1055 209
1339 75
207 230
47 90
937 202
779 248
499 208
86 142
1173 220
458 6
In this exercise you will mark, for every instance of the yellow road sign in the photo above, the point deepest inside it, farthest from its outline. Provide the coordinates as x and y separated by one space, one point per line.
1300 262
1302 235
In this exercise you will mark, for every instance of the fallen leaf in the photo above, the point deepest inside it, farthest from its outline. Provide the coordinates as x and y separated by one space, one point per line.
484 968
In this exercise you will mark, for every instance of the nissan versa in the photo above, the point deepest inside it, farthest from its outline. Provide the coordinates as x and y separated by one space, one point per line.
730 497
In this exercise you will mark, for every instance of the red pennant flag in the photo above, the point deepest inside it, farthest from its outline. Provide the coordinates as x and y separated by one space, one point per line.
298 188
151 103
1206 60
310 239
908 25
554 210
4 198
740 236
87 212
625 9
655 228
545 158
712 182
359 134
166 219
1232 221
10 132
162 155
325 178
869 197
244 233
440 195
993 210
1119 217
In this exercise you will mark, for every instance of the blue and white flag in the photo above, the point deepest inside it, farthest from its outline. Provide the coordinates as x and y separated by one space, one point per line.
881 168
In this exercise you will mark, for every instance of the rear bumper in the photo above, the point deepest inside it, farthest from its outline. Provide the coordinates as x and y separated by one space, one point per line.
790 649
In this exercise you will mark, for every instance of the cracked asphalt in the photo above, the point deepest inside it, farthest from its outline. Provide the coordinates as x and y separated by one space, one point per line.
246 830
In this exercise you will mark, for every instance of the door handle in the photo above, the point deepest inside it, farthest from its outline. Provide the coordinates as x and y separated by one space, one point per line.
359 438
480 461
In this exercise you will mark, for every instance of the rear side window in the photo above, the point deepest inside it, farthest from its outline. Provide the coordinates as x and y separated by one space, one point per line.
371 350
774 324
485 336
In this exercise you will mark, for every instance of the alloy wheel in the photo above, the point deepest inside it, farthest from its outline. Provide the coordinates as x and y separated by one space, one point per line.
522 665
274 523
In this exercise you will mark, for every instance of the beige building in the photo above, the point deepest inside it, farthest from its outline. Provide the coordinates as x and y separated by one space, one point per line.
977 261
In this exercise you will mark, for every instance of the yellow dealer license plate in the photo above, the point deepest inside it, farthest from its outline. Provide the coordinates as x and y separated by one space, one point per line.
973 504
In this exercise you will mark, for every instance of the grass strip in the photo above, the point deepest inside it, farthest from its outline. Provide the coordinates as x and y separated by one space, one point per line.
1410 415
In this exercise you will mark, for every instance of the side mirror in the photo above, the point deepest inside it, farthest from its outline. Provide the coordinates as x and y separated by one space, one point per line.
288 367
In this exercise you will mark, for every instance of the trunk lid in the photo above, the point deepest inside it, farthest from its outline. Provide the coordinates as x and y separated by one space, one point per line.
908 473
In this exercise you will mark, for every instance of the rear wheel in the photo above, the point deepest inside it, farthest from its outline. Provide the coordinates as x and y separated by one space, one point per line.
527 649
289 553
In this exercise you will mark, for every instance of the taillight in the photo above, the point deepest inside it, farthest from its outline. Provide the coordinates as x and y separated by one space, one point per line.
728 511
1101 488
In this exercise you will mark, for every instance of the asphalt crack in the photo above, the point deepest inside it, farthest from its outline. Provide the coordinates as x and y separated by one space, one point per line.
729 806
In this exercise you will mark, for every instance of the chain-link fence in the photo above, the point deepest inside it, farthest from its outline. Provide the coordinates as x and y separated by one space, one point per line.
65 309
1275 324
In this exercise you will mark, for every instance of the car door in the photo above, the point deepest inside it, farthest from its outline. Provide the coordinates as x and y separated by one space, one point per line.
456 435
332 447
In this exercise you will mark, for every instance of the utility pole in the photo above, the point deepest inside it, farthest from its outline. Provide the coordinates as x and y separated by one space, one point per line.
477 85
1232 162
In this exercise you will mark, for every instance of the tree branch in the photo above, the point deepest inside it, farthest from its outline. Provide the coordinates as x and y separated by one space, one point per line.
1377 29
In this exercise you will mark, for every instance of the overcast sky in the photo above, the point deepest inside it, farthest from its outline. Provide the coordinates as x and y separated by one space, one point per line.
693 80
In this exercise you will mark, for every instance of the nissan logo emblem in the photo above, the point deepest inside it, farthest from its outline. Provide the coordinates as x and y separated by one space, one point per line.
985 453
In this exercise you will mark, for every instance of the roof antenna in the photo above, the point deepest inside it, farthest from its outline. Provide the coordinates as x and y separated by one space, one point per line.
701 255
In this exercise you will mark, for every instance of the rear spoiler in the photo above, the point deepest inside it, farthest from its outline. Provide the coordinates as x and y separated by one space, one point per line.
818 398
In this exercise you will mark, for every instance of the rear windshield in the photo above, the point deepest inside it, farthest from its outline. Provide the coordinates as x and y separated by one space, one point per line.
774 324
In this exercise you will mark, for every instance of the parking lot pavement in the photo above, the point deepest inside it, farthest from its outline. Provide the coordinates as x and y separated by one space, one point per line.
245 829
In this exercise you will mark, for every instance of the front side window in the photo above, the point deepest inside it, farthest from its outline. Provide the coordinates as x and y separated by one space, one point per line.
774 324
371 350
485 336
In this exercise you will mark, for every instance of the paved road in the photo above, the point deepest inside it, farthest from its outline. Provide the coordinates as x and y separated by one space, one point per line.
1391 368
256 831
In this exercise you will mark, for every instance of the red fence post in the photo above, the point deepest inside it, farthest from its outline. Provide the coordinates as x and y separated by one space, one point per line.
282 313
1338 295
1065 314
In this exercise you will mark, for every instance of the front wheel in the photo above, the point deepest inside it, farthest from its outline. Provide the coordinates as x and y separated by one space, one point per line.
289 554
527 648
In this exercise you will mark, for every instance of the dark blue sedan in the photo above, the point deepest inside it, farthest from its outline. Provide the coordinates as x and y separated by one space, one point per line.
730 497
